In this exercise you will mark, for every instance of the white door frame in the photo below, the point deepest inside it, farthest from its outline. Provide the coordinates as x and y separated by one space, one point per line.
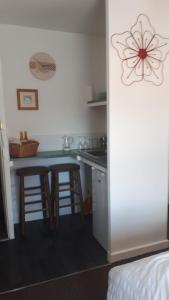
109 204
6 179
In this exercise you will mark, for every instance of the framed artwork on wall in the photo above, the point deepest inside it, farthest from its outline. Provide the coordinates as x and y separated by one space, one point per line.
27 99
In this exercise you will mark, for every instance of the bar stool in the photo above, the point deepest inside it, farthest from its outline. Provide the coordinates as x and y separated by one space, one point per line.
73 187
24 192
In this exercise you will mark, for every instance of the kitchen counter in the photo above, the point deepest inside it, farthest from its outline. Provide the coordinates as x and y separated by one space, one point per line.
80 155
48 154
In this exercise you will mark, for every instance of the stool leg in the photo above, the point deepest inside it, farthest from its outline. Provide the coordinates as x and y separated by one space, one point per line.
52 197
22 205
48 198
72 194
79 187
55 196
43 195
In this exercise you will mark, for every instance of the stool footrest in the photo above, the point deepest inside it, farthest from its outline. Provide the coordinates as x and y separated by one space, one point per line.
32 188
65 197
64 183
34 211
65 190
33 194
68 205
33 202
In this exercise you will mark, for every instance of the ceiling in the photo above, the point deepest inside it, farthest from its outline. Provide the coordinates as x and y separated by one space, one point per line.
81 16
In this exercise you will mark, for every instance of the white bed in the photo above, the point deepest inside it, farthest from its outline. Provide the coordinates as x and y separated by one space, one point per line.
144 279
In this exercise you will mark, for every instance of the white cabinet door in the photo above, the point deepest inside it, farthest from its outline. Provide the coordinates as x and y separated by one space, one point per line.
99 193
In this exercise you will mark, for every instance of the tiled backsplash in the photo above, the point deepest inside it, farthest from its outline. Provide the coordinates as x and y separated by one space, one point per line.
55 142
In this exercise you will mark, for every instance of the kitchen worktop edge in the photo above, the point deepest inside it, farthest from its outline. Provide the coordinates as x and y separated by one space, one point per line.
62 153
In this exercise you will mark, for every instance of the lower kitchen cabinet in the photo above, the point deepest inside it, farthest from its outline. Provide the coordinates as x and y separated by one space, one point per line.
99 196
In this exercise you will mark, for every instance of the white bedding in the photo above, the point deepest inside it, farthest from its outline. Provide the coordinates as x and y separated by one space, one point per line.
144 279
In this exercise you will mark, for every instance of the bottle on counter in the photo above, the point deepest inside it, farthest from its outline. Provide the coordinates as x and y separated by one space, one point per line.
21 136
25 135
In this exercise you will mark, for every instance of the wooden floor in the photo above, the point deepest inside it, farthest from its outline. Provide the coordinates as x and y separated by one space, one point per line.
3 231
87 285
46 254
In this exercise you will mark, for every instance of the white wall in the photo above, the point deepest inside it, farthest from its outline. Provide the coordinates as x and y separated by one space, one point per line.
138 143
62 102
98 59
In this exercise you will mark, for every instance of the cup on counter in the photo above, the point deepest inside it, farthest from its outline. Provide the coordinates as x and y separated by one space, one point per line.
67 142
83 142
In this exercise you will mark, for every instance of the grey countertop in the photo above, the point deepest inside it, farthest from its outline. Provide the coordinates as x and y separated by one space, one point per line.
101 161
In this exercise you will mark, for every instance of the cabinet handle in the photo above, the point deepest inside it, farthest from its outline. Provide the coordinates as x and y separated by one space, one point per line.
99 180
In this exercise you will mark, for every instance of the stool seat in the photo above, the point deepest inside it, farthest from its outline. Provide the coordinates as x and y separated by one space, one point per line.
73 197
31 171
64 167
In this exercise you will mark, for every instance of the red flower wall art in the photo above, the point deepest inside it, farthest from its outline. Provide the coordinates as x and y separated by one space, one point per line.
142 52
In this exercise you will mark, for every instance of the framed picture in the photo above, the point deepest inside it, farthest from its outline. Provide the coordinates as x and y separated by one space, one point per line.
27 99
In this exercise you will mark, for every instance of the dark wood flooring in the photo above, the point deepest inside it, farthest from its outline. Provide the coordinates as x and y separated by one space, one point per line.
85 285
44 254
3 231
88 285
63 264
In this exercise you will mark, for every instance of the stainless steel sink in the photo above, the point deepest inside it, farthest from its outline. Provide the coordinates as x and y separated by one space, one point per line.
97 153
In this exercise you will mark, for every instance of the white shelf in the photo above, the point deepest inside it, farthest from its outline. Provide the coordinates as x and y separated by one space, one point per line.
97 103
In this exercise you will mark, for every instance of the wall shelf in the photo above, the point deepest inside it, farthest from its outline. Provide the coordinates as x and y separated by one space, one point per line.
97 103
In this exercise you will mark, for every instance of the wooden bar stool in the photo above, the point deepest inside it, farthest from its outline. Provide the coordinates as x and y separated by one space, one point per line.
73 187
24 192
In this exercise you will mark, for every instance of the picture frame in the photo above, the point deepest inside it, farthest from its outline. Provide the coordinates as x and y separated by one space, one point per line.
27 99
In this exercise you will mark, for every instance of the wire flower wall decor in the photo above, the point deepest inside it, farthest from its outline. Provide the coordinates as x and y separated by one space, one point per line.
142 52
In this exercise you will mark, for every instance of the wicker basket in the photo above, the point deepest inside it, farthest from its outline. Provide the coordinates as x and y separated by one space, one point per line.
25 149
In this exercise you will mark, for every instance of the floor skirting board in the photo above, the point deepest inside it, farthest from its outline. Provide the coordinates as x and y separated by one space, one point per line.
135 251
